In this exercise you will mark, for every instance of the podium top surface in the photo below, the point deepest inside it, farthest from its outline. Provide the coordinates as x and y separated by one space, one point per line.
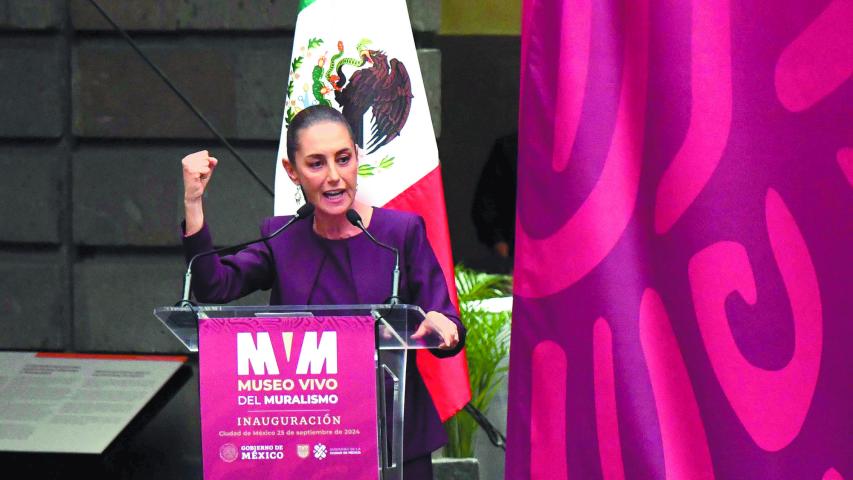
395 323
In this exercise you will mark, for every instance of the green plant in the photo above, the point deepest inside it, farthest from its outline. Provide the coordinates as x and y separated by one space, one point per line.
487 347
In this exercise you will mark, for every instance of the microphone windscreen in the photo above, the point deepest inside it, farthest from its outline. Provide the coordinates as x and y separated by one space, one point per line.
354 218
305 210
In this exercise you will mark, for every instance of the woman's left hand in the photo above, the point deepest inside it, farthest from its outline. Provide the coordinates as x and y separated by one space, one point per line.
437 323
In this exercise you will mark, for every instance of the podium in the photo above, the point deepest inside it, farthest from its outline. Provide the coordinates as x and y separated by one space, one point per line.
393 326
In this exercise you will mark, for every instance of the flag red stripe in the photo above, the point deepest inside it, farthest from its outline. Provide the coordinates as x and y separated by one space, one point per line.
445 378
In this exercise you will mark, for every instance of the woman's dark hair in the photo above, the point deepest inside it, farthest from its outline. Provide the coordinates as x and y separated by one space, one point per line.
308 118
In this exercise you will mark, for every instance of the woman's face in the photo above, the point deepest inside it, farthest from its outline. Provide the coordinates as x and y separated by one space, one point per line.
326 167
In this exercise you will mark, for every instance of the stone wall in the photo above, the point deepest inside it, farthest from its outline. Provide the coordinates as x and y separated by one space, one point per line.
90 147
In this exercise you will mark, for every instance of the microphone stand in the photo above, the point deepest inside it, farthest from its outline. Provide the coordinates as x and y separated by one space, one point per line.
355 219
303 212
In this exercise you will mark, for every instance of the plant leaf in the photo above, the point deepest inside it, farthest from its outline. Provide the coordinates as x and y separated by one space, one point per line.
386 162
487 347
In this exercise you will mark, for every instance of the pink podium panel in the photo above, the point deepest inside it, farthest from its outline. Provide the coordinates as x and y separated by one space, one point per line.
291 397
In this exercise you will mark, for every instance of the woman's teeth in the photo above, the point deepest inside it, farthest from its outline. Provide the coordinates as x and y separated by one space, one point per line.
333 193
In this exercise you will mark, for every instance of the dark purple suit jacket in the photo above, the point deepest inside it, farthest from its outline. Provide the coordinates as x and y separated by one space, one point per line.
289 265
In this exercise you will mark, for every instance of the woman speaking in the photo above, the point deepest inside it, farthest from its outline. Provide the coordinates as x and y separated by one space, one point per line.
317 263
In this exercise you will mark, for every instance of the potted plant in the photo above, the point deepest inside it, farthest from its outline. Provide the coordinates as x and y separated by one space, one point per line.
487 348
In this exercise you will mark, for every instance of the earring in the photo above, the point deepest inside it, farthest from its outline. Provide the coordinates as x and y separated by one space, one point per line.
298 197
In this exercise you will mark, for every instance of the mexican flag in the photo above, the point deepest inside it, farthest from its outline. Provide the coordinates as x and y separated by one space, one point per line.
360 58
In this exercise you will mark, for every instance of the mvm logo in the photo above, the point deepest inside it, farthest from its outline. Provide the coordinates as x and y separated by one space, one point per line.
314 353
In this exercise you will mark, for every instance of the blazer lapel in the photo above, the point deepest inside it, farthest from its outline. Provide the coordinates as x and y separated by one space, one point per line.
300 257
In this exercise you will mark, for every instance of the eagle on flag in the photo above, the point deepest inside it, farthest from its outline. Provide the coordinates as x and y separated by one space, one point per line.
386 89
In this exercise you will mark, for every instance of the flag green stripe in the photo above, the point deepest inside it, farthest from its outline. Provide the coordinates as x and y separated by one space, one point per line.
303 4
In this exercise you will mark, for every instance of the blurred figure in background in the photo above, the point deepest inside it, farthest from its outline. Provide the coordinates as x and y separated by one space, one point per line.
493 210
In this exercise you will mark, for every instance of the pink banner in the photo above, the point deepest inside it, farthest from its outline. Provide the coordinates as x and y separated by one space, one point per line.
280 399
684 241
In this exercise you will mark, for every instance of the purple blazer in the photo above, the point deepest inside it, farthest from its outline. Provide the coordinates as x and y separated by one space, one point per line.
289 266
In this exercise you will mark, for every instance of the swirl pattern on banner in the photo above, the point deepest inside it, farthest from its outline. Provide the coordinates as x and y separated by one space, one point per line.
683 265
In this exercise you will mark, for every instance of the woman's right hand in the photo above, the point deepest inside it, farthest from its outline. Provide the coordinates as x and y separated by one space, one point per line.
198 168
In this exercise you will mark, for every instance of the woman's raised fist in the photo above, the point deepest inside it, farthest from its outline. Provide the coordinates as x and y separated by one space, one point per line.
198 168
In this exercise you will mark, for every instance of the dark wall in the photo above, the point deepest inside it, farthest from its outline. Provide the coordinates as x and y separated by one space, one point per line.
90 147
479 104
90 180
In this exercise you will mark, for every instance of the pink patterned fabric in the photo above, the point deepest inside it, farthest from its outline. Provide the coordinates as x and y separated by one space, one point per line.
684 262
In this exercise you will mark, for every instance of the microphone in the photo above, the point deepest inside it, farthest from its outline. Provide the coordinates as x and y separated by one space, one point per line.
303 212
355 219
